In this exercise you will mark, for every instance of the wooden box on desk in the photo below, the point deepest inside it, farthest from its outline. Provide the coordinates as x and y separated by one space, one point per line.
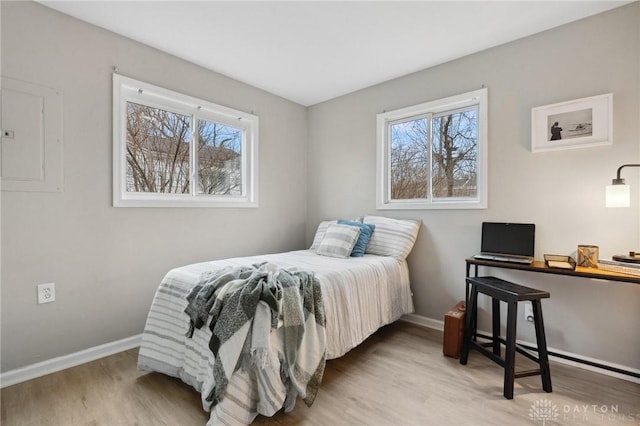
453 330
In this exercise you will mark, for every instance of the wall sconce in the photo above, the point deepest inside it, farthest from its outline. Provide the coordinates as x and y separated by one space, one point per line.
618 194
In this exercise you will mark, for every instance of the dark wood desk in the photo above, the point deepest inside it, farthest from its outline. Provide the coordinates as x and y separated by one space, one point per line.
540 267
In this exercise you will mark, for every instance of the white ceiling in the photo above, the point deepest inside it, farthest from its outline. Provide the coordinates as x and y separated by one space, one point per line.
312 51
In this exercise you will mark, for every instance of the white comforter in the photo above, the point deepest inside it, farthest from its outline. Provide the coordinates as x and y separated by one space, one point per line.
360 295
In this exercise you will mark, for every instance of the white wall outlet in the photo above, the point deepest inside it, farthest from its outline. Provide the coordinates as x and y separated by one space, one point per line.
528 312
46 293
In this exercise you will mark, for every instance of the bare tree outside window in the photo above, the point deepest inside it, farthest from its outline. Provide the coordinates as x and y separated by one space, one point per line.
409 159
157 150
451 168
158 159
219 159
454 153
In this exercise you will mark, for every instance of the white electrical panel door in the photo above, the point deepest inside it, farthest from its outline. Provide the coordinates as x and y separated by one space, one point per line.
22 153
31 137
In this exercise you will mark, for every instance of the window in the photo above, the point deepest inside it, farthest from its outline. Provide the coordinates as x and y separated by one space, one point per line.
173 150
434 155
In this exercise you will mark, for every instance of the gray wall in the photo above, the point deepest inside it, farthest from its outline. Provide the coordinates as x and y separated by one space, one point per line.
561 192
107 262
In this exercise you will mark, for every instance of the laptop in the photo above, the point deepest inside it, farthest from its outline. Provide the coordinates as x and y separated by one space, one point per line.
507 242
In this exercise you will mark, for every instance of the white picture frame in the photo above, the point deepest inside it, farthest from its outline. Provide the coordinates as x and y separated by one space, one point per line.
580 123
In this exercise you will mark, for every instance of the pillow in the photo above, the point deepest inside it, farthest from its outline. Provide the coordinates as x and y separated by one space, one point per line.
393 237
338 240
322 228
366 230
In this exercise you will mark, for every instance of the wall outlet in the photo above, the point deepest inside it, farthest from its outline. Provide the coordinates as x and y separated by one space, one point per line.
46 293
528 312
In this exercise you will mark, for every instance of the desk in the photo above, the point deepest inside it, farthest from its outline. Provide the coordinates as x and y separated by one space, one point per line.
540 267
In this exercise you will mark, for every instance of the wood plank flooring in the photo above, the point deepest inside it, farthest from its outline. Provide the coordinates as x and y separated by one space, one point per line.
397 377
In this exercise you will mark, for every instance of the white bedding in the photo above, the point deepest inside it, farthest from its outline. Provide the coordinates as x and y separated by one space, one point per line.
360 295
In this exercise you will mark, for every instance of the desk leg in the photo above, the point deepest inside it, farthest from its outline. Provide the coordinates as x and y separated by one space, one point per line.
466 289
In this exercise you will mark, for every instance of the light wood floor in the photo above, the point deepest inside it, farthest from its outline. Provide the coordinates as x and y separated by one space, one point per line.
397 377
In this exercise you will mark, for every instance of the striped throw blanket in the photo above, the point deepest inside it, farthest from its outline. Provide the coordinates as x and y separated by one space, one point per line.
244 305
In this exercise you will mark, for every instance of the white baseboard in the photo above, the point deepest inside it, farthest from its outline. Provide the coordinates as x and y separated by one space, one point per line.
424 321
67 361
439 325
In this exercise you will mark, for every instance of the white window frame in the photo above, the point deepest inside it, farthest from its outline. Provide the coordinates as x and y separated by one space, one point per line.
383 159
125 90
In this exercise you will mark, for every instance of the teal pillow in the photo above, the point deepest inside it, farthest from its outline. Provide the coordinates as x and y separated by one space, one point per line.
366 230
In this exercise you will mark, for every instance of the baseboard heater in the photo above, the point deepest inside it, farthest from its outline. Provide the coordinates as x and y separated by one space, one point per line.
578 360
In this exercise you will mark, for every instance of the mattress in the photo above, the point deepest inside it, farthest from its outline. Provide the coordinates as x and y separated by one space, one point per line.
360 295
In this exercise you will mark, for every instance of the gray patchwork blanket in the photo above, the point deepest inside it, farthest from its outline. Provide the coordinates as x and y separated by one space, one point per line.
243 306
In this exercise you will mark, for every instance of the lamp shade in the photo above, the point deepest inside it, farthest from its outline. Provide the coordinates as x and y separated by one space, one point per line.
618 196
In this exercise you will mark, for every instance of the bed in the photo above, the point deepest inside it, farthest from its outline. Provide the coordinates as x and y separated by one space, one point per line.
360 294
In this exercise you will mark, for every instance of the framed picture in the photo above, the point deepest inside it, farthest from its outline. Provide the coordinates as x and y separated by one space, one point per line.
574 124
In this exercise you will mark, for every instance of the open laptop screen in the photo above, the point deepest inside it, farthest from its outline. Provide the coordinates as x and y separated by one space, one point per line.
508 238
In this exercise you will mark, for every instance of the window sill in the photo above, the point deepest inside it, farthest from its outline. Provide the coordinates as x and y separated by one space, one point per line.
153 200
440 205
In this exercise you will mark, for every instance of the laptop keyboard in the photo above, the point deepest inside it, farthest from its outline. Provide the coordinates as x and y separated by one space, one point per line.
498 258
